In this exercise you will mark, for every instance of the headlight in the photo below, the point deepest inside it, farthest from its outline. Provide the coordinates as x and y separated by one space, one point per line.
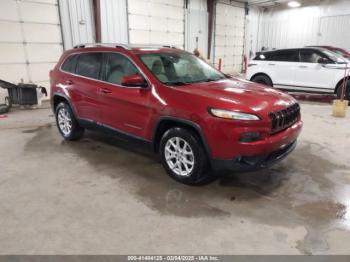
233 115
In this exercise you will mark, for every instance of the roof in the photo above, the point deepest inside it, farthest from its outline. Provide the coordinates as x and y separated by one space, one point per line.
133 48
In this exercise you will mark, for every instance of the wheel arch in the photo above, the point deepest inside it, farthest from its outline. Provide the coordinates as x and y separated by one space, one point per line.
58 98
261 74
339 84
167 122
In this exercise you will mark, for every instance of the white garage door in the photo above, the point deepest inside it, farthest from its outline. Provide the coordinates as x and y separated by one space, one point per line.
229 37
30 40
156 22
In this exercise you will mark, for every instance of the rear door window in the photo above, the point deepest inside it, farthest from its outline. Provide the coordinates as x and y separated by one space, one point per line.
89 65
285 56
70 64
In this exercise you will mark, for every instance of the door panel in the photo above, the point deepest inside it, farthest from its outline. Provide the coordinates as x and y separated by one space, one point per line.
84 87
124 108
282 65
282 73
309 73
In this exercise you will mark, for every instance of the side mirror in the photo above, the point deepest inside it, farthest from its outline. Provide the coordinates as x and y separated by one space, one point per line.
134 81
228 75
323 61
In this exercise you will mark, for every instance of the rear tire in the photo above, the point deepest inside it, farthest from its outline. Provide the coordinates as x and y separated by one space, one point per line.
262 79
183 157
66 122
347 91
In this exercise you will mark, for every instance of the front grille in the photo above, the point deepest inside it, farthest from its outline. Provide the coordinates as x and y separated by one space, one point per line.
285 118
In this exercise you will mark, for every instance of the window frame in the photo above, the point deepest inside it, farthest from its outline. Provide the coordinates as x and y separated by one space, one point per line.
103 67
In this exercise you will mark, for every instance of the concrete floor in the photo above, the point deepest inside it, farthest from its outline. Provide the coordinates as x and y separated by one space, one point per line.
103 195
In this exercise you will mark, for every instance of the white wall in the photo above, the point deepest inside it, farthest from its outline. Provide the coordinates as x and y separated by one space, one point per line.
317 22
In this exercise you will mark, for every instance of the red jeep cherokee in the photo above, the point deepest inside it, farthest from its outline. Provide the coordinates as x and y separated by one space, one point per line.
194 116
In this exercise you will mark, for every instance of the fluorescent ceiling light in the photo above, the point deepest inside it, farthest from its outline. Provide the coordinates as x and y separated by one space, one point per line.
294 4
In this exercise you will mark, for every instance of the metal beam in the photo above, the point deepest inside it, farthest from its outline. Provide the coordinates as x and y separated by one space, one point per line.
97 19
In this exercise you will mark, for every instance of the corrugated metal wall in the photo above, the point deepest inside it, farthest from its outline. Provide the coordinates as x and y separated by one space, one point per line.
77 22
114 21
324 24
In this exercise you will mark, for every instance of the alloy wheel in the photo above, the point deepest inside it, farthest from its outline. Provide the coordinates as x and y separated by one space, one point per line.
179 156
64 121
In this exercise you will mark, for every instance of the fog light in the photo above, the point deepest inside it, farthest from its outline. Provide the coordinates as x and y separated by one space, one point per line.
250 137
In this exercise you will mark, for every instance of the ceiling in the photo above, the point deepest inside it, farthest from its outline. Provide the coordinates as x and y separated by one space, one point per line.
263 3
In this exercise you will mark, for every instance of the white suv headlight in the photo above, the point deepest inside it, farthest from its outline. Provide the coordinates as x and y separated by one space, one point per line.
227 114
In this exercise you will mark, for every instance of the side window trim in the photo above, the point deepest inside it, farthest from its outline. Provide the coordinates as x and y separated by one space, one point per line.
105 54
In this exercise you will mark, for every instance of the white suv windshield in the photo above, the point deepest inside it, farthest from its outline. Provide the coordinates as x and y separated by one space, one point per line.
179 69
335 57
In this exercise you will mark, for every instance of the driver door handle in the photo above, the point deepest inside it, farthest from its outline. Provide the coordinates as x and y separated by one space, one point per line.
69 82
105 91
303 67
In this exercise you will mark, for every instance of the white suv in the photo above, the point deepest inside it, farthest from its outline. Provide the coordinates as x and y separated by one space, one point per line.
305 69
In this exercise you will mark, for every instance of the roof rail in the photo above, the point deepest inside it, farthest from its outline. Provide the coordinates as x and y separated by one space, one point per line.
101 44
170 46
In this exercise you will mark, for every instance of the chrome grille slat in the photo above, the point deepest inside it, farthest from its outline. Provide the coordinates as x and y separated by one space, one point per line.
282 119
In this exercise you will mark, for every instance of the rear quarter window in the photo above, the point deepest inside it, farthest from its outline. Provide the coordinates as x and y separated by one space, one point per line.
70 64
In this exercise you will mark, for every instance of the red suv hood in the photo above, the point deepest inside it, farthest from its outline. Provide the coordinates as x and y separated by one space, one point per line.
237 94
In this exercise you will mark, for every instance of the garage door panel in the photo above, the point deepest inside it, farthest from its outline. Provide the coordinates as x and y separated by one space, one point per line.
43 1
12 53
13 73
139 22
220 40
219 51
176 39
169 2
34 33
159 24
138 7
156 22
139 37
220 30
220 20
40 72
229 37
159 37
10 32
43 52
8 10
48 13
175 26
173 12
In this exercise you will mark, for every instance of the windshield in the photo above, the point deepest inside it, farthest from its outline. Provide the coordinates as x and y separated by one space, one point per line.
179 69
335 57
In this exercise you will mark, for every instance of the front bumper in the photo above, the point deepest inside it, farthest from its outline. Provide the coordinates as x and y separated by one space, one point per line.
253 162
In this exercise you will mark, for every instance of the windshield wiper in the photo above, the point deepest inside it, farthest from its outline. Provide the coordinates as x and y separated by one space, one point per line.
177 83
212 80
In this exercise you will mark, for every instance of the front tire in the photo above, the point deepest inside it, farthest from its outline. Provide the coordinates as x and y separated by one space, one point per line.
67 124
347 91
262 79
183 157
